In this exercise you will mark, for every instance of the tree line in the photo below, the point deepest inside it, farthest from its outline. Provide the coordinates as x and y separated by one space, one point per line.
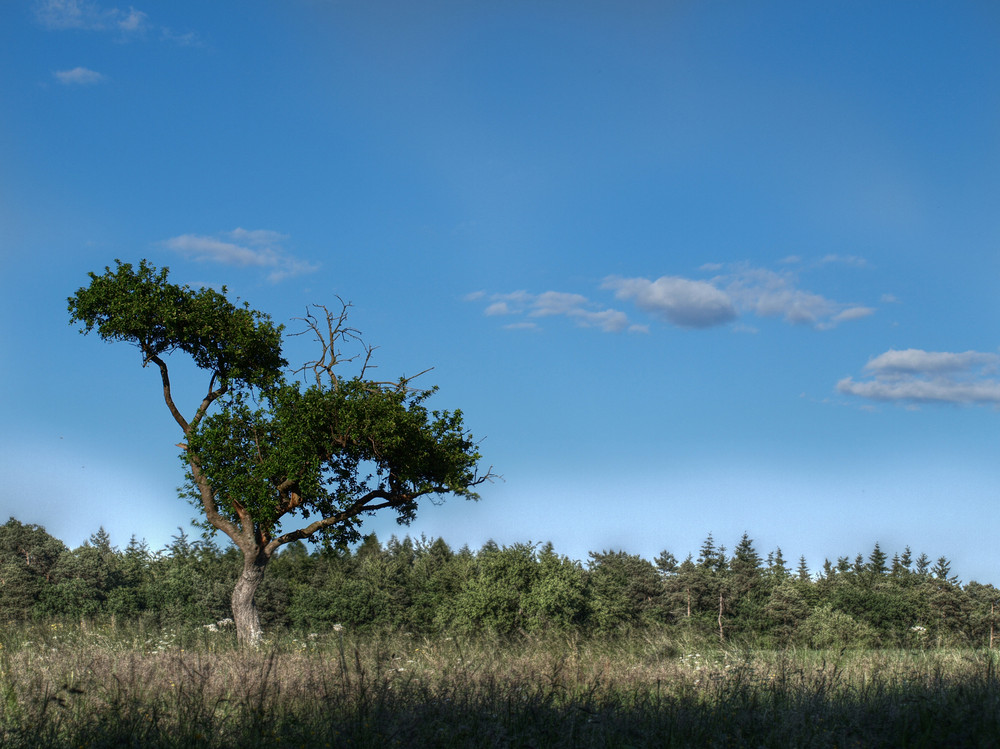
423 585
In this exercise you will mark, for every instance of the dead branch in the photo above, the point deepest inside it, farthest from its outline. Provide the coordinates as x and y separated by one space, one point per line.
337 332
331 334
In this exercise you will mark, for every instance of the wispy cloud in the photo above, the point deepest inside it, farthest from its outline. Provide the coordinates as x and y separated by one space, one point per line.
78 77
257 248
736 291
60 15
918 376
85 15
531 307
767 293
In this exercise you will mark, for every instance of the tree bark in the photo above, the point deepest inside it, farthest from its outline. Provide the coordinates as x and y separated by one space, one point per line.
245 616
722 635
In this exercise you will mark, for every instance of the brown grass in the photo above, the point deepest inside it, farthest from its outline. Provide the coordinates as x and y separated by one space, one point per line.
96 688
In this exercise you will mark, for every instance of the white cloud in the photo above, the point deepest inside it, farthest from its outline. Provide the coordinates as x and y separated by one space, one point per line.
690 303
135 22
68 14
852 260
576 307
853 313
259 248
86 15
770 294
78 77
189 39
918 376
918 361
767 293
685 303
60 15
497 308
557 303
924 391
609 320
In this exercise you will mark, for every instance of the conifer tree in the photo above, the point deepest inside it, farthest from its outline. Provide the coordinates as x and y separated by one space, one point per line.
876 562
803 569
923 565
776 565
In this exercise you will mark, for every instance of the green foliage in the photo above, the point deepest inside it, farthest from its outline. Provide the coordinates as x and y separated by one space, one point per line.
259 448
625 591
139 306
422 586
338 449
785 609
558 599
498 583
27 556
827 628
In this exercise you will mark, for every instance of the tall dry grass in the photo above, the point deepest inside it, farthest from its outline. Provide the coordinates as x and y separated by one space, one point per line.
99 688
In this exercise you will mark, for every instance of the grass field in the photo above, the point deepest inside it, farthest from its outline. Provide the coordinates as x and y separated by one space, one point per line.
97 687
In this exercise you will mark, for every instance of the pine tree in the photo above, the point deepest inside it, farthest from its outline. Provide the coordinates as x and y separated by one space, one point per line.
706 557
923 565
666 563
859 565
828 570
897 570
876 561
745 564
803 570
102 542
942 571
776 564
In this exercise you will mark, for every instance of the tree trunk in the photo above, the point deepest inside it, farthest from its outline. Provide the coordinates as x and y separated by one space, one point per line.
722 635
245 616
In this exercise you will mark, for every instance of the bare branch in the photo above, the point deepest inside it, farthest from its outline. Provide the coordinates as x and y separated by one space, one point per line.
337 333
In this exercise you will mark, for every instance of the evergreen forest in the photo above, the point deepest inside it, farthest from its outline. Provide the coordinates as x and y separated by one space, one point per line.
424 586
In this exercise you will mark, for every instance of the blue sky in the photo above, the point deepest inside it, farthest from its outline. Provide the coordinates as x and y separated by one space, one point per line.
687 267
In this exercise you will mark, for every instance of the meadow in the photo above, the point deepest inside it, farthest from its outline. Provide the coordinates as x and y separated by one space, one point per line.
89 685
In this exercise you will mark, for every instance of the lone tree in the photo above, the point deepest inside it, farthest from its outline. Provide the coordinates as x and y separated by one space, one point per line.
263 451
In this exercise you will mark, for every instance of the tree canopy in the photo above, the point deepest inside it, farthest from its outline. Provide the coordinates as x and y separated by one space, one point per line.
262 447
